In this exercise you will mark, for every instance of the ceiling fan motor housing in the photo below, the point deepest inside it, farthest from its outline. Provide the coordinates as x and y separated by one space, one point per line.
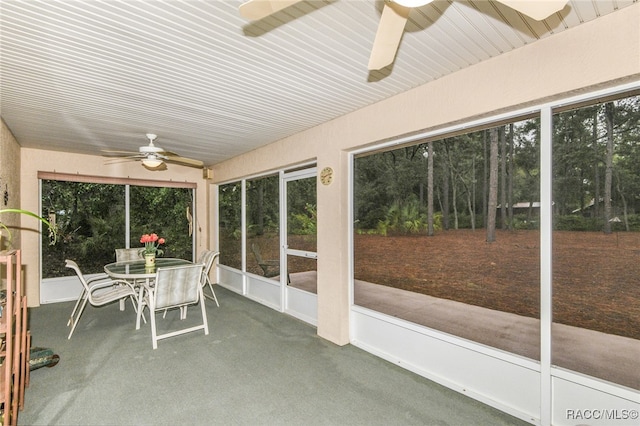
153 156
150 149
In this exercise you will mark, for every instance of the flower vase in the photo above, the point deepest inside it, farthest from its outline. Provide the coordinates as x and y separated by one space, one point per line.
149 260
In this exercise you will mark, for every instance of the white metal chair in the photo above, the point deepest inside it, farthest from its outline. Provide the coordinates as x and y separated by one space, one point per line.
176 287
271 268
98 291
207 258
126 254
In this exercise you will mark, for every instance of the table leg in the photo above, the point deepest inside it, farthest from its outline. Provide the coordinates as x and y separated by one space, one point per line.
141 304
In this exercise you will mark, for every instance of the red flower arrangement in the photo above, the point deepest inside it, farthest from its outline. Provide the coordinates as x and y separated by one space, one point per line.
152 244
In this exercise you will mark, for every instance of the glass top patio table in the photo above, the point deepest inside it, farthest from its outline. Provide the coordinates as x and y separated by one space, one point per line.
136 272
136 269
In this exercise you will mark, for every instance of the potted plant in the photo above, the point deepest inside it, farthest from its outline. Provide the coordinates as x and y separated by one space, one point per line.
151 248
28 213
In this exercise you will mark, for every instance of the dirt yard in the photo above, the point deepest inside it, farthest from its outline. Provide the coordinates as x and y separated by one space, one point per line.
596 277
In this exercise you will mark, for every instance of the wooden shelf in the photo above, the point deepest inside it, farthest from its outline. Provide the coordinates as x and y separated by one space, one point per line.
14 370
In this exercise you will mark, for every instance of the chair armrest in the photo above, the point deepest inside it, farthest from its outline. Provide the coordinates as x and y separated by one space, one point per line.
108 282
98 279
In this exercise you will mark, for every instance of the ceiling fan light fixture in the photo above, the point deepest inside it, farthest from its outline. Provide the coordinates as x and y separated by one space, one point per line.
412 3
152 162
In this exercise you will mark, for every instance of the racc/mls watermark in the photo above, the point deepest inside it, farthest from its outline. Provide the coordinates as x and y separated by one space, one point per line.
601 414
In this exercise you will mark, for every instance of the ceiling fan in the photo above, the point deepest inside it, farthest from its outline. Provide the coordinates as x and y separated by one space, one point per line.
153 157
394 18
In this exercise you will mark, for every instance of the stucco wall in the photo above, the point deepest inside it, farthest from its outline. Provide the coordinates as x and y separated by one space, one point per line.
9 183
596 54
34 160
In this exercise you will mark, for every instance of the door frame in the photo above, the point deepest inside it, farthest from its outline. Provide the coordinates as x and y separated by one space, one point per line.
298 303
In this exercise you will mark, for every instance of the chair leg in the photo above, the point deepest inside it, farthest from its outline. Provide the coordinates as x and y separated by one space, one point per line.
74 321
135 308
140 309
75 308
154 338
140 284
213 293
205 322
183 313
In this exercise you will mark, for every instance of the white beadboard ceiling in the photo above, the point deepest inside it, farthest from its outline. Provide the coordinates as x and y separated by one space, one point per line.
82 76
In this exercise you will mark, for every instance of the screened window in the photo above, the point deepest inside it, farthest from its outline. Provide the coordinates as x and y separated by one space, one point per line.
91 222
596 237
452 226
166 211
263 226
451 223
230 224
301 235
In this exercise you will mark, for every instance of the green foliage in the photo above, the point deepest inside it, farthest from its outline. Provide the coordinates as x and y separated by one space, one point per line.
576 223
634 223
90 221
52 229
262 205
229 208
229 222
302 210
464 221
403 218
386 178
304 223
523 222
163 211
263 213
593 224
382 227
437 221
385 182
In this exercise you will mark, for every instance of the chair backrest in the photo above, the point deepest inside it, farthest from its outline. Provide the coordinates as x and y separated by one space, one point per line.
177 286
256 252
73 265
127 254
206 259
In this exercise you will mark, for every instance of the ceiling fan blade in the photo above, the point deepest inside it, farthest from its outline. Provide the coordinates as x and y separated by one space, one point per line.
536 9
258 9
127 156
390 30
109 151
184 161
117 160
